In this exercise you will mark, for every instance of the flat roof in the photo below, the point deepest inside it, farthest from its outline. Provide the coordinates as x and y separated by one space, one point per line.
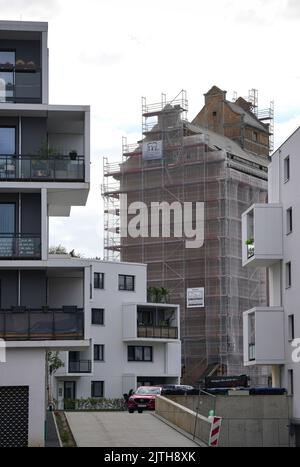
31 26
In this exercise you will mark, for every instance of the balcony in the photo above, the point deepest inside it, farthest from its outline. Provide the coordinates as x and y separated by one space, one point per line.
264 336
157 332
150 321
262 233
20 246
21 84
36 325
35 169
80 366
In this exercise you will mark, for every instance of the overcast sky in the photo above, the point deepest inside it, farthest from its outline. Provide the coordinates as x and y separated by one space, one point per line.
109 53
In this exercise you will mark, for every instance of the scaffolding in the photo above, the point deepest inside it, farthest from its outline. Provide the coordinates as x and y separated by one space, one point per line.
192 169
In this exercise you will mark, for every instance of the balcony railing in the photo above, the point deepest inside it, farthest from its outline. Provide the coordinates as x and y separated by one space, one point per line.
23 325
20 84
20 246
158 332
32 168
80 366
251 352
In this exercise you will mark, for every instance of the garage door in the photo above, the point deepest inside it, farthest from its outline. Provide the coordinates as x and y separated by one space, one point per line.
14 413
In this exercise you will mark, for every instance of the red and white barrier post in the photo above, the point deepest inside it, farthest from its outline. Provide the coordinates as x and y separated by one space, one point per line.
215 431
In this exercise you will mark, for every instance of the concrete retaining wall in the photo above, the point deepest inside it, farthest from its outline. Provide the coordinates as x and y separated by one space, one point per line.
183 417
247 420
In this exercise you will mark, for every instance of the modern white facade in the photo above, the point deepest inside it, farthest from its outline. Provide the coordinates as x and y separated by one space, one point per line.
44 171
272 234
139 341
55 302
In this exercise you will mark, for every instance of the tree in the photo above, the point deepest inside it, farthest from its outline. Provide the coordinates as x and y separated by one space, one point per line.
53 364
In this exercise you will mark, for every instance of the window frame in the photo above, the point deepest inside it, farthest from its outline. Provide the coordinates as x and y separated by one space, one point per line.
291 328
10 127
289 220
288 275
135 359
13 203
93 383
99 283
125 277
287 168
99 351
102 312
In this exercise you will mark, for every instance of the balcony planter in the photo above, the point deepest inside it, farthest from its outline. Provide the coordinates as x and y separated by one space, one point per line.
73 155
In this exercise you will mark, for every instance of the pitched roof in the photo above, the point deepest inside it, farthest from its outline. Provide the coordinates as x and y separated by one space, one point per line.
249 118
218 141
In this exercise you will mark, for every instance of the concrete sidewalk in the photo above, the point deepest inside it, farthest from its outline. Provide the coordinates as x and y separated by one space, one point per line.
121 429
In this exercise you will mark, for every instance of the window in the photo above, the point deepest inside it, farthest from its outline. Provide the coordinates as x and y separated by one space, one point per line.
97 389
289 221
255 136
7 63
288 275
7 218
7 140
287 168
98 353
98 280
126 283
291 328
139 354
98 316
291 382
214 114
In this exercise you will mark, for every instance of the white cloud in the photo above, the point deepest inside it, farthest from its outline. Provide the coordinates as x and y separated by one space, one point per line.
109 53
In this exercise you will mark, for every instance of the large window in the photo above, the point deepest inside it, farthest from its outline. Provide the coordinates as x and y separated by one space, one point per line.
7 63
97 389
7 140
98 280
126 283
98 316
139 354
7 218
98 353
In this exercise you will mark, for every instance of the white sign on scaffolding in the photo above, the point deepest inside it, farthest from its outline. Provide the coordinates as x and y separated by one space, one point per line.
195 297
152 150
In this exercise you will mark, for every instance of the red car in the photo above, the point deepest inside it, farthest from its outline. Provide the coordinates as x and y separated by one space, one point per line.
143 398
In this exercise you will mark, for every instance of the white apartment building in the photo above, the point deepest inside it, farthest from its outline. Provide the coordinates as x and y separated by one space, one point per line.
132 342
46 301
44 171
270 237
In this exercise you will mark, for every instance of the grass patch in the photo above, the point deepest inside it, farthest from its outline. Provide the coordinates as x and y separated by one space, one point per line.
65 432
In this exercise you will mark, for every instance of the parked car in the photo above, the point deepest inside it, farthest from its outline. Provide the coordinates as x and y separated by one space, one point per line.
143 398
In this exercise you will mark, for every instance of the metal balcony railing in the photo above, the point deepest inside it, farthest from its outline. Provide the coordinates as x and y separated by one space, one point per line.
20 246
33 168
21 84
158 332
21 324
80 366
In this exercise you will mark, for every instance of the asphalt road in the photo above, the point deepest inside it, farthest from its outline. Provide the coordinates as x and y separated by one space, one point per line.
121 429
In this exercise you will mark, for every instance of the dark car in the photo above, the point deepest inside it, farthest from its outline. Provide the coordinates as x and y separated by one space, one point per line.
143 398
